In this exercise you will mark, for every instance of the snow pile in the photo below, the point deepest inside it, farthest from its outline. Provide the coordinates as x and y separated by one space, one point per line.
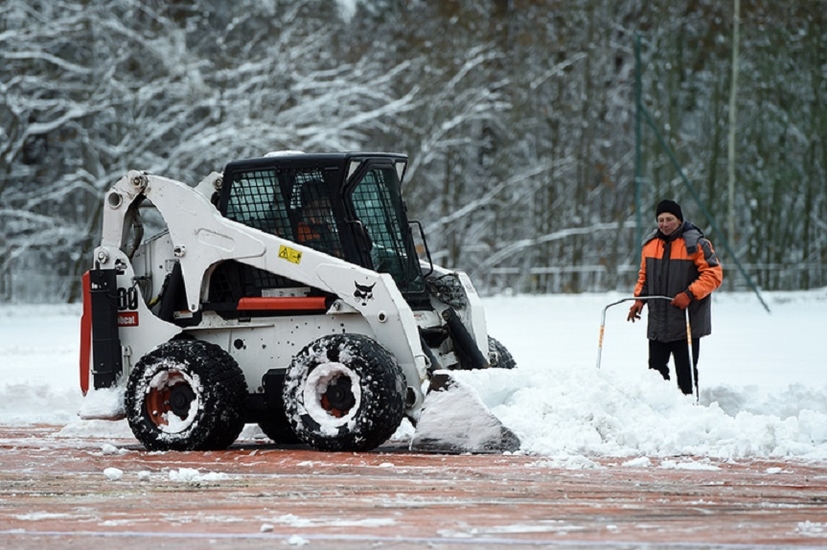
763 390
194 476
113 474
103 403
454 419
589 412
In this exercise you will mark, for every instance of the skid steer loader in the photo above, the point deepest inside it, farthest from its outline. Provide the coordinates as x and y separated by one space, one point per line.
286 292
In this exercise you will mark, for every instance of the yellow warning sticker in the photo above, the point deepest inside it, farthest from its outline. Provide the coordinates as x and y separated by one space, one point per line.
290 254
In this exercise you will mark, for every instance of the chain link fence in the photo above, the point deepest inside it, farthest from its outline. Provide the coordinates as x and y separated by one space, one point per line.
44 288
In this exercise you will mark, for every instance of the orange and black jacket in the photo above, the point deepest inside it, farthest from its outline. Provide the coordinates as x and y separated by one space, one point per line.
682 262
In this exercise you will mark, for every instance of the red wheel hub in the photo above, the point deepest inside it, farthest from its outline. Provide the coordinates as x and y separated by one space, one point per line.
173 397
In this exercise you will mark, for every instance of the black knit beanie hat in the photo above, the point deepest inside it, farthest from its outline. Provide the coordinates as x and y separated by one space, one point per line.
669 206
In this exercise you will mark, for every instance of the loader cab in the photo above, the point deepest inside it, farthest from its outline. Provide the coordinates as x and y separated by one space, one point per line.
347 205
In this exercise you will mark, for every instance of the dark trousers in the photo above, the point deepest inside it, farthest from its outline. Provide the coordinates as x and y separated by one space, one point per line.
659 353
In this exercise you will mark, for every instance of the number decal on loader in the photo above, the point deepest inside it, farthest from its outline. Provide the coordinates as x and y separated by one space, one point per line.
127 299
290 254
127 304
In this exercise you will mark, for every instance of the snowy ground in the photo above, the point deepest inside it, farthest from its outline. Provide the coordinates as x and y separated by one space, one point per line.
763 383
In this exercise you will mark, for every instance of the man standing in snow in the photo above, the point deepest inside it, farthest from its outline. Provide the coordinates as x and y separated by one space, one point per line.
677 262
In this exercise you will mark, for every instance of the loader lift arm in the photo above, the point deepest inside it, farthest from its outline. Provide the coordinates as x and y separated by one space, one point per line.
192 217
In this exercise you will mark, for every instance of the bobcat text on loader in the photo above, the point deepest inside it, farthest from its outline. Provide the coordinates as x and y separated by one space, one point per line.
286 292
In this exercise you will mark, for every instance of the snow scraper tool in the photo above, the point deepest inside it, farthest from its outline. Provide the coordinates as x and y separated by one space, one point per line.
645 298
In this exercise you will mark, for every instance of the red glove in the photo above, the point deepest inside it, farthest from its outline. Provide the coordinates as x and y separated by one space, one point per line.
634 311
682 299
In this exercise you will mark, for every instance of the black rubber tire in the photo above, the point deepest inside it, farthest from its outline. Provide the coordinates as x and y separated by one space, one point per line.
499 356
344 392
167 381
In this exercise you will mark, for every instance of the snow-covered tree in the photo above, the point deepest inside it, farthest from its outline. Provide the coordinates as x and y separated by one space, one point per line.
518 116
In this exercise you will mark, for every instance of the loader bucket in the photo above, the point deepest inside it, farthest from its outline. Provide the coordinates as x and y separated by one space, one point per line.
455 420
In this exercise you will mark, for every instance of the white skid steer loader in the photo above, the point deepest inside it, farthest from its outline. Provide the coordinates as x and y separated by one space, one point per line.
286 292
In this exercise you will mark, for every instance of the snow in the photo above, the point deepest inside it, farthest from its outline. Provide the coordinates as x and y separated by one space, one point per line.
454 418
104 403
113 474
192 475
763 389
317 383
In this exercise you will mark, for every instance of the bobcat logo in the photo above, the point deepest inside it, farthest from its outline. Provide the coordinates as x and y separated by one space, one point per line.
363 293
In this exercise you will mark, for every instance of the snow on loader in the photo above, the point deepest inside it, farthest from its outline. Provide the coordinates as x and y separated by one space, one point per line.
285 292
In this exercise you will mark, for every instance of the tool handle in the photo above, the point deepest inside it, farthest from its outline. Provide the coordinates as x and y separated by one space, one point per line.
603 319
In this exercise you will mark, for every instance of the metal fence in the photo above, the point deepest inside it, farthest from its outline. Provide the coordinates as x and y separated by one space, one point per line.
36 288
600 278
39 288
